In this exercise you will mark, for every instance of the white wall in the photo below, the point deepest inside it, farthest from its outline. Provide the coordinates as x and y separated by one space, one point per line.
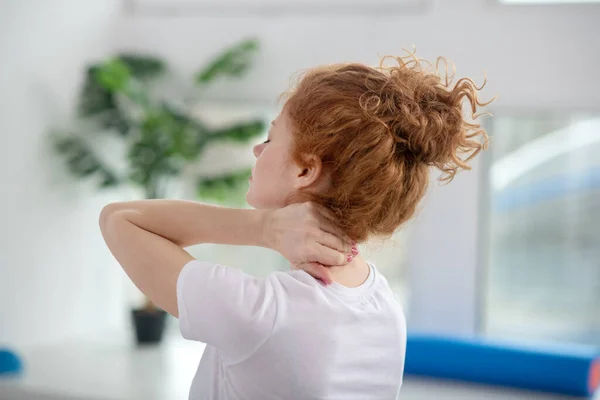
54 274
535 58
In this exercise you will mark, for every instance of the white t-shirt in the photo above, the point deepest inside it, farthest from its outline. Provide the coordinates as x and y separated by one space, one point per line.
288 336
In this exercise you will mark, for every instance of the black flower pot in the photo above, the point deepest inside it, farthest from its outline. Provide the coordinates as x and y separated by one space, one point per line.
149 325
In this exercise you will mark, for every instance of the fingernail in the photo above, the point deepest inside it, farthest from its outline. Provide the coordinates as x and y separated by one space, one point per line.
354 251
349 258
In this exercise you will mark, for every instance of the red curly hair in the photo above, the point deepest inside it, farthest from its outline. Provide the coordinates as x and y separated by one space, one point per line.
377 132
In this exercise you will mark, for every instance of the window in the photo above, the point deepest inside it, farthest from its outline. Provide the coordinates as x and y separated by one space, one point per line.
543 227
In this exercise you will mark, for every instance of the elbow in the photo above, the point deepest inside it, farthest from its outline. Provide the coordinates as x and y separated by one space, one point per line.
107 213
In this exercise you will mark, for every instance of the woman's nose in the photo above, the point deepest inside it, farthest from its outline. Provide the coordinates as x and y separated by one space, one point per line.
257 150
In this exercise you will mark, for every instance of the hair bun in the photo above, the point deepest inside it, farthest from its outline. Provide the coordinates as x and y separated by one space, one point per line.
424 113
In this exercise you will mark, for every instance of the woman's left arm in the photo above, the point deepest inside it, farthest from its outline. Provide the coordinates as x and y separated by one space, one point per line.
147 238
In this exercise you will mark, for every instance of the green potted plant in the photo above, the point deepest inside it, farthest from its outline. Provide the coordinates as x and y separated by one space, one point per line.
119 98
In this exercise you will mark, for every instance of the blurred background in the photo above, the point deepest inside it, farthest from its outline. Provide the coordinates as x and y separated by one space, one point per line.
109 100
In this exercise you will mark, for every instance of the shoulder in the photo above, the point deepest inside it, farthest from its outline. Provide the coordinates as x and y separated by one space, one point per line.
387 295
294 279
296 287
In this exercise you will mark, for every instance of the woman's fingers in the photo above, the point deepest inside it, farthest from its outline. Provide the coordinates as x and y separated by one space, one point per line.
318 271
331 237
343 241
325 212
327 223
326 238
327 256
334 246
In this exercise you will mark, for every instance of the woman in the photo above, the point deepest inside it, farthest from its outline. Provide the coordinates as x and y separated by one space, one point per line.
347 159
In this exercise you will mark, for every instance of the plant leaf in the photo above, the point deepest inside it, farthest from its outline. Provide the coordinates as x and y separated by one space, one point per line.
97 103
234 62
143 67
97 97
114 119
82 161
228 188
188 135
114 75
159 151
241 132
94 98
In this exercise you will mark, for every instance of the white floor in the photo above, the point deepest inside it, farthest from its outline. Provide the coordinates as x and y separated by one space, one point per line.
117 370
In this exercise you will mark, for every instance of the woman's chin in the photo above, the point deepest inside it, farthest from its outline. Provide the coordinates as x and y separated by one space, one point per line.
264 202
249 200
252 202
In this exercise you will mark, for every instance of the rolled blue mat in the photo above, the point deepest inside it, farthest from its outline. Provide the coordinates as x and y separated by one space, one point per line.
559 369
9 362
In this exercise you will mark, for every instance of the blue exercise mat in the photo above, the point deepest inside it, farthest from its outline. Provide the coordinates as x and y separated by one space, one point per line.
9 362
560 369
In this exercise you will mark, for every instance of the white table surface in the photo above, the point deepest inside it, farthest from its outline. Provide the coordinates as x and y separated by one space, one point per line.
118 370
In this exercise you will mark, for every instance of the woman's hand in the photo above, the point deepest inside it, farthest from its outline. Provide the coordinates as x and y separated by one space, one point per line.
305 234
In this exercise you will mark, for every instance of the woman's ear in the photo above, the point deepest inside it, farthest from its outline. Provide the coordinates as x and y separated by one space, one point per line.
310 173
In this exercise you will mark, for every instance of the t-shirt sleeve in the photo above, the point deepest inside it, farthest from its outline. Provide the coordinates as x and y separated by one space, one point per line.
225 308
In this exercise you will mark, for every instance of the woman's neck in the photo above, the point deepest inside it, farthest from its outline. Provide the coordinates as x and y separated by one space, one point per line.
352 274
